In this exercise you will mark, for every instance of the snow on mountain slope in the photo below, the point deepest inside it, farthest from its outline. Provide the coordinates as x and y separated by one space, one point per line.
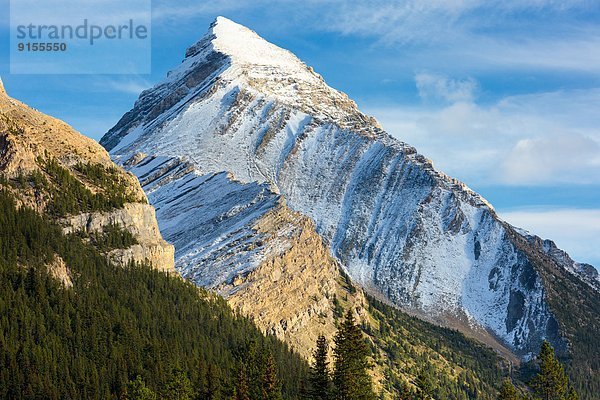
208 218
252 123
242 241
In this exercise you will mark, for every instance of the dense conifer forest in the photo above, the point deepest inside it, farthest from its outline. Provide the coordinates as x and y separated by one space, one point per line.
137 333
66 192
115 324
404 338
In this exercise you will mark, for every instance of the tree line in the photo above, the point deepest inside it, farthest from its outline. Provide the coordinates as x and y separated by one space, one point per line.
115 324
550 383
136 333
349 379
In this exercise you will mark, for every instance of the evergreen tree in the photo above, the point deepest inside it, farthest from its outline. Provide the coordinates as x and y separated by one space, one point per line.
137 390
241 391
178 387
213 383
254 360
350 377
424 386
551 382
270 387
320 382
508 391
572 395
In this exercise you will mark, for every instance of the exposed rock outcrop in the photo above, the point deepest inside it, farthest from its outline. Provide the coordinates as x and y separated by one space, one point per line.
291 293
584 271
140 220
59 270
28 136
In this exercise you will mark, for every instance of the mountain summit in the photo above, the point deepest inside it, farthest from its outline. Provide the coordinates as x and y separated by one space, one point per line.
243 127
232 53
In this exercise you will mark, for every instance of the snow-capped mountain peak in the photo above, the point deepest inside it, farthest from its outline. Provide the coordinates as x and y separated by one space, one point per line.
242 125
247 49
260 66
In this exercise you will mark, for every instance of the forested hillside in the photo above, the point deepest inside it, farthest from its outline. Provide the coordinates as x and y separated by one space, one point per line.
76 324
114 332
114 324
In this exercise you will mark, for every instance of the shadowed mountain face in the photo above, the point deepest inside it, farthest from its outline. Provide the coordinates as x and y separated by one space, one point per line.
242 126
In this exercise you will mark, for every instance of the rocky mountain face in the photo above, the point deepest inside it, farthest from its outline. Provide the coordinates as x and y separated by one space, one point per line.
46 162
243 141
137 218
584 271
244 242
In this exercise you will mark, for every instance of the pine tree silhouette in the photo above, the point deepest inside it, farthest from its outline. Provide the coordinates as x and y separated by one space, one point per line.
241 386
320 382
350 377
270 387
551 382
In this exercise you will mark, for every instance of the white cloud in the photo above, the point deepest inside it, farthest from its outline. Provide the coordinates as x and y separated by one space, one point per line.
546 138
567 106
432 86
575 230
396 22
129 86
473 34
573 158
437 20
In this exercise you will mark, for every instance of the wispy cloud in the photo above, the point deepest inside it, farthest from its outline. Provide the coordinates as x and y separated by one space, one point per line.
432 86
577 230
576 52
487 34
571 158
476 33
535 139
397 21
129 86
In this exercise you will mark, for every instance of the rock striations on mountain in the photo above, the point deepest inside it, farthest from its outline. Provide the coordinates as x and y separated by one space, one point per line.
243 128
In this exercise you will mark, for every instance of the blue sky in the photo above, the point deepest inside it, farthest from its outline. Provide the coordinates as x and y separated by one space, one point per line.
504 95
